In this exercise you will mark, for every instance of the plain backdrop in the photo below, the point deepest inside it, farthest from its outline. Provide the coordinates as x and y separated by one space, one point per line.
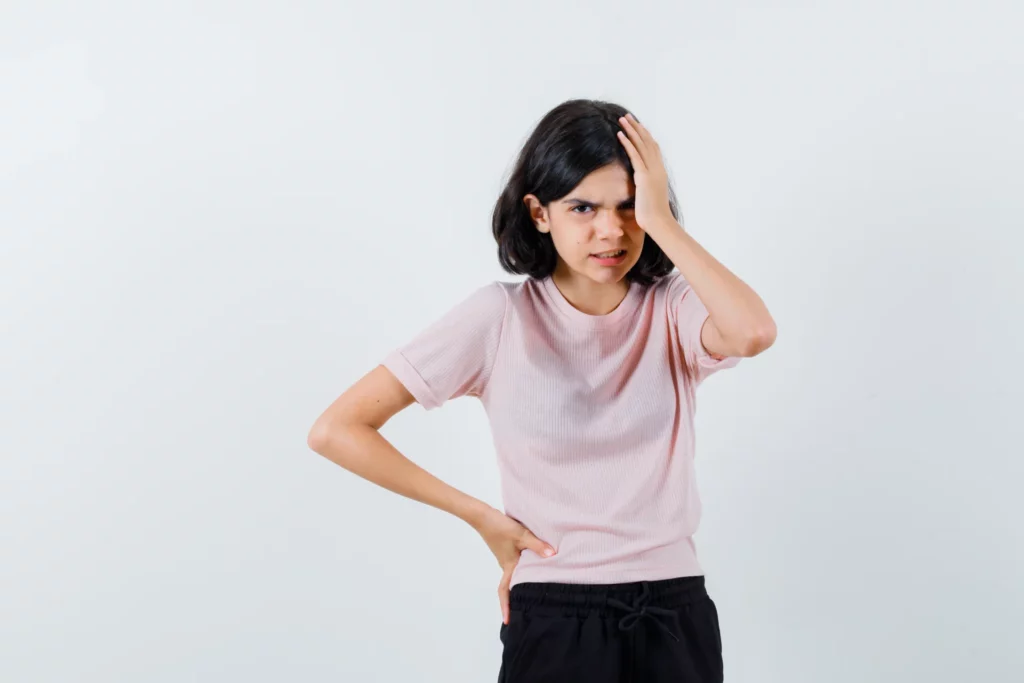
218 216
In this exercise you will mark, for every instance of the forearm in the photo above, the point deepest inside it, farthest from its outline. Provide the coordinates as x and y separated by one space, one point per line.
736 309
364 451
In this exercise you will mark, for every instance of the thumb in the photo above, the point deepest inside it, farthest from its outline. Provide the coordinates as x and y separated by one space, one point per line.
536 545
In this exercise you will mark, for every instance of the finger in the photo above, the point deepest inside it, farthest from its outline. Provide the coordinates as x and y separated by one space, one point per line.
634 136
503 592
642 131
529 540
634 156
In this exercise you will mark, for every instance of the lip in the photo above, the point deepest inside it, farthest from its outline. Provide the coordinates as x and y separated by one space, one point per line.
614 261
607 250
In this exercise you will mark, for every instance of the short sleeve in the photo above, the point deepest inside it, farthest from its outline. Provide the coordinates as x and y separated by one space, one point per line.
453 356
689 314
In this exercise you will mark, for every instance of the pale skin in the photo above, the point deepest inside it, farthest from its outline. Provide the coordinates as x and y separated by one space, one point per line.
605 211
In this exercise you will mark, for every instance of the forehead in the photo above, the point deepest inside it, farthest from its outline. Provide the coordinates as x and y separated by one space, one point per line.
610 180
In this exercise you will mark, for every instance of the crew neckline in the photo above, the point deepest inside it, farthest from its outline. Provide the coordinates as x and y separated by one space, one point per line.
578 317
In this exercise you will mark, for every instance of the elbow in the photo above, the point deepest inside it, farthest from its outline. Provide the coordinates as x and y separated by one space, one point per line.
325 433
760 340
319 436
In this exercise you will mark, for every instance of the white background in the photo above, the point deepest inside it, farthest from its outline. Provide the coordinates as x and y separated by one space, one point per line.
217 216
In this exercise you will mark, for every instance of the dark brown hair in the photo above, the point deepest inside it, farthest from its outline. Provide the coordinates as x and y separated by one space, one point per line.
572 140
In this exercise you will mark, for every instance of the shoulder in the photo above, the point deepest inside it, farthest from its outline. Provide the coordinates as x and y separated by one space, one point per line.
482 306
514 294
487 296
670 286
485 305
674 282
495 295
676 287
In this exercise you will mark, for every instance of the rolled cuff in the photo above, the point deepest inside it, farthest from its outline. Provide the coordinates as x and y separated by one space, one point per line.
401 368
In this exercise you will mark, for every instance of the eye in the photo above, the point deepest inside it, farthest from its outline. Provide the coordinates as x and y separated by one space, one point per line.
579 206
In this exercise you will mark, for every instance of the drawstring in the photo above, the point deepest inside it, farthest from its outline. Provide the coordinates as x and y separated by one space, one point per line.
640 608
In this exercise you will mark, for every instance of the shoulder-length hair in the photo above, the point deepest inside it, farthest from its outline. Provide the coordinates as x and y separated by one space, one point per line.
572 140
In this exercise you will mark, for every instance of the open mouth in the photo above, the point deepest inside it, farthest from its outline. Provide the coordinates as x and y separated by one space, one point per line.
610 254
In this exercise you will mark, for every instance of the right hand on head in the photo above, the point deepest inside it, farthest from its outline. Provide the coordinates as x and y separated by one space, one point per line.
507 538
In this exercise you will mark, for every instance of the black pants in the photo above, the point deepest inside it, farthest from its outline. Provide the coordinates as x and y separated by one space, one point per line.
662 631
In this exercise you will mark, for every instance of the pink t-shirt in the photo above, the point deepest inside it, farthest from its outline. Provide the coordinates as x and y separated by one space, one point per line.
592 419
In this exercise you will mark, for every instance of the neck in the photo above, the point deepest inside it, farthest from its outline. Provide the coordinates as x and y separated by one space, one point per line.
587 295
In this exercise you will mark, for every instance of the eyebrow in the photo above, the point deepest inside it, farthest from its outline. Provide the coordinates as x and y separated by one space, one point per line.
584 202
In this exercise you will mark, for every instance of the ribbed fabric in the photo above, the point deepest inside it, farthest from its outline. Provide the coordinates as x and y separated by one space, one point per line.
592 419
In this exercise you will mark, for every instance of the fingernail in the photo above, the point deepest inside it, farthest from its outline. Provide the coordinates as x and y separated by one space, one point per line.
548 552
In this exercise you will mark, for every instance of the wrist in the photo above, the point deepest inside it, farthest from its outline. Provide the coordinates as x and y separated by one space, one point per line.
473 512
662 225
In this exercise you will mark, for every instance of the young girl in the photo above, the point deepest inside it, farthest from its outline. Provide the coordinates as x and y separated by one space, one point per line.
587 370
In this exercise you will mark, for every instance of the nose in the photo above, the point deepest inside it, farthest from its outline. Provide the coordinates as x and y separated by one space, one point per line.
609 225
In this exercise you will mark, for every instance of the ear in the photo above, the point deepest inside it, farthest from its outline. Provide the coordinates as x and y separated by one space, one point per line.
538 213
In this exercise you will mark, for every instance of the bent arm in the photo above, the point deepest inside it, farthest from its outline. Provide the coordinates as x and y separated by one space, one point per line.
739 324
348 435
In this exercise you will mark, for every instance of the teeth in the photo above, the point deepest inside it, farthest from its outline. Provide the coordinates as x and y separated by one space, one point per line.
610 254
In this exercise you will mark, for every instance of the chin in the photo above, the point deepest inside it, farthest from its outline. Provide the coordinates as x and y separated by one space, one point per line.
608 274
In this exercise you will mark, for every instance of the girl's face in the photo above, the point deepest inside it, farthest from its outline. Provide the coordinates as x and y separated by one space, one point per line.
595 217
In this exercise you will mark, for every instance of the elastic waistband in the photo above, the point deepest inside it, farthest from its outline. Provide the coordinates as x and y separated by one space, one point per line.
567 599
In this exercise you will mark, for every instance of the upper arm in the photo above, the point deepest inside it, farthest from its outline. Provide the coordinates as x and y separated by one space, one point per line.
716 345
705 350
454 355
450 357
372 400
